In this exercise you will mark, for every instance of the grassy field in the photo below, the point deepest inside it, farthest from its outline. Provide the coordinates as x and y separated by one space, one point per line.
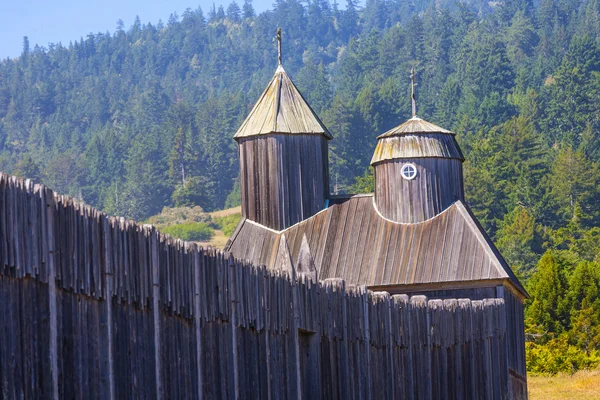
224 213
220 239
583 385
183 215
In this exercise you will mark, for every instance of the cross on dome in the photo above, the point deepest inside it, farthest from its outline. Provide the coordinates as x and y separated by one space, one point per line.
412 96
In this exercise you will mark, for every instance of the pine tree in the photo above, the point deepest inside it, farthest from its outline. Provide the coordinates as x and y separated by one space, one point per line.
234 14
548 307
584 300
519 240
573 184
248 9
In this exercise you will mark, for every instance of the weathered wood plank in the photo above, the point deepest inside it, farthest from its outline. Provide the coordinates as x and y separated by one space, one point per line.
138 315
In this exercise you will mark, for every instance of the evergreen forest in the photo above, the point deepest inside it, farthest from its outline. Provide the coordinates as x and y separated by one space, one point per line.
140 118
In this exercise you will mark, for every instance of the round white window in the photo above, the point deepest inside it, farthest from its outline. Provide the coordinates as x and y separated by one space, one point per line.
409 171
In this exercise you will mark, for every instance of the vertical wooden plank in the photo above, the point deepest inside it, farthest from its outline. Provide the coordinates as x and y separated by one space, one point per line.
234 300
155 268
453 376
420 337
198 318
438 360
52 294
367 330
108 299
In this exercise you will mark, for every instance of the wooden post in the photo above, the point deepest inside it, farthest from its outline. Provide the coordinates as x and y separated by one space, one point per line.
365 296
52 293
235 300
345 382
267 333
451 349
386 317
401 329
437 357
465 335
421 346
502 345
108 298
295 336
156 310
477 352
198 319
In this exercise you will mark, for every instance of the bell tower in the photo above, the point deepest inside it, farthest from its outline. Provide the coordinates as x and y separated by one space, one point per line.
418 169
283 149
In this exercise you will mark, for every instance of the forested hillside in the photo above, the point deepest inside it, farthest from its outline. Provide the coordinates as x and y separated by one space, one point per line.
143 117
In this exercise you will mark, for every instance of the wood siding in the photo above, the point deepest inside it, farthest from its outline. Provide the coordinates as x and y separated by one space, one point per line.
284 178
516 344
350 240
438 184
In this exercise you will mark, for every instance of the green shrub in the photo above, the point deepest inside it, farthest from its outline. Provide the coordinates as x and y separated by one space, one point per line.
558 356
193 231
227 224
178 215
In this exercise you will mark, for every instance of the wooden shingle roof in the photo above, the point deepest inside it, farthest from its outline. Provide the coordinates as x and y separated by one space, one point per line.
416 146
281 109
352 241
416 138
414 125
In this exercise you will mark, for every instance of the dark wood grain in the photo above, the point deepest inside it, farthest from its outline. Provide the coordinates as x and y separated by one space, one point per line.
438 184
285 178
136 314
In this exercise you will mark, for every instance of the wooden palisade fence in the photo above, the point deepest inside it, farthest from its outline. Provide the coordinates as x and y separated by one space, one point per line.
98 307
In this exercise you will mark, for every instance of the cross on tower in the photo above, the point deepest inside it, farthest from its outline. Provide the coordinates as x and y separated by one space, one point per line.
279 46
412 96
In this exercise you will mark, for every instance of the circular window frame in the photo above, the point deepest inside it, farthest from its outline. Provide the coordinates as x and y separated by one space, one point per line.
405 175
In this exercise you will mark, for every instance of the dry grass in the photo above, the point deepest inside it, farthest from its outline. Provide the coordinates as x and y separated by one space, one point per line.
224 213
583 385
219 240
179 215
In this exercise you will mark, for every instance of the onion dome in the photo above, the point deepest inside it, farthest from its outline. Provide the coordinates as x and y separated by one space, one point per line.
418 170
416 138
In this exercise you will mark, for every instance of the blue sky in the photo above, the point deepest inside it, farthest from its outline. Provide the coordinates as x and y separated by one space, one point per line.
53 21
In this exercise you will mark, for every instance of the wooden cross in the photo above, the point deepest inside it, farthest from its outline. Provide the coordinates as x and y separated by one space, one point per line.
279 45
412 96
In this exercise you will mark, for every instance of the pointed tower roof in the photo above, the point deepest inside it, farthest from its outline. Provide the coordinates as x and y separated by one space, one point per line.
282 109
